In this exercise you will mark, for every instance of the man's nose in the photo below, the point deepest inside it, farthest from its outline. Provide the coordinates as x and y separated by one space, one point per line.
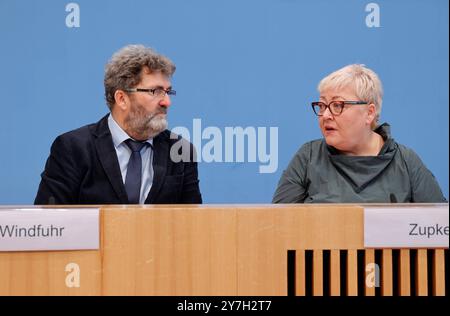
165 101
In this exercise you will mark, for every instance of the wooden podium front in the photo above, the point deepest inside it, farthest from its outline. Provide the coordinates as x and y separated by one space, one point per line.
226 250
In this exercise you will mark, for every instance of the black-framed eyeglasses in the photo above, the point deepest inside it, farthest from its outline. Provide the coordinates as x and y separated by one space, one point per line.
156 92
335 107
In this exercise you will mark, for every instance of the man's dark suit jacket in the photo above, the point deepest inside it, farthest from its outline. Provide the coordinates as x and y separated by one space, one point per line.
83 169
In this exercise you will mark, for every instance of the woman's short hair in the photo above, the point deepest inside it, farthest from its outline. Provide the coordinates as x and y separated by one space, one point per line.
124 69
365 81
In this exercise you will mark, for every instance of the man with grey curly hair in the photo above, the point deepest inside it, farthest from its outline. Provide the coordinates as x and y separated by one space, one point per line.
125 158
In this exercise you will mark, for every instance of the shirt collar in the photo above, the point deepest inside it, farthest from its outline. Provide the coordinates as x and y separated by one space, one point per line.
118 134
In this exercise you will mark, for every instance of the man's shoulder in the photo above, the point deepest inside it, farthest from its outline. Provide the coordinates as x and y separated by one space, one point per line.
75 133
81 134
172 138
182 148
80 137
84 133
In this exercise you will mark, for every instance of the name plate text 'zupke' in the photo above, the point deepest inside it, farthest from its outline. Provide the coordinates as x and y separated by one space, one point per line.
406 227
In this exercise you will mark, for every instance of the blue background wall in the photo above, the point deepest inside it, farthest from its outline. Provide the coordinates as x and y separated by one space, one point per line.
248 63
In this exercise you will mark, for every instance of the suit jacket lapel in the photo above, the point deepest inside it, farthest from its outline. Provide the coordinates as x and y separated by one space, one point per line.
108 158
160 157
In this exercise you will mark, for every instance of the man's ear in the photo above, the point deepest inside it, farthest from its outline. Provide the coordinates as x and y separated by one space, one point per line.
121 99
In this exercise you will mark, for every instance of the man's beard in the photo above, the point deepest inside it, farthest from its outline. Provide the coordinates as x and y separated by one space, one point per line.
142 125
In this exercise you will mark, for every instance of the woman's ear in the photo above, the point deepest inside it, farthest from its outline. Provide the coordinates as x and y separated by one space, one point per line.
371 113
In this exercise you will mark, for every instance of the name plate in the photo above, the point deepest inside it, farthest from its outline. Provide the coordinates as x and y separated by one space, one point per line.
406 227
49 229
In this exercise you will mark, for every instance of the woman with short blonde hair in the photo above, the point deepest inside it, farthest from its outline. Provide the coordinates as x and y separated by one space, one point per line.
357 160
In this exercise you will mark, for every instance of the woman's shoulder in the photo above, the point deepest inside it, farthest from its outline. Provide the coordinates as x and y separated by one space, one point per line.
410 157
315 144
310 149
